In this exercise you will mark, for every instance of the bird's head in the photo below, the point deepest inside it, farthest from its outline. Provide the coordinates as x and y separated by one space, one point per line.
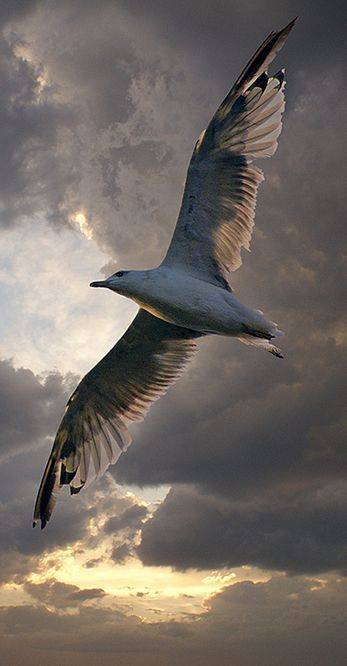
122 282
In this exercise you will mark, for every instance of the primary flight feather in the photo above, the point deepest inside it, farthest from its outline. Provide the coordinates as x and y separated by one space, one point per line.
188 295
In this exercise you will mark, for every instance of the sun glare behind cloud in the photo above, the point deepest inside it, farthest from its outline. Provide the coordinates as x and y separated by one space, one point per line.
80 220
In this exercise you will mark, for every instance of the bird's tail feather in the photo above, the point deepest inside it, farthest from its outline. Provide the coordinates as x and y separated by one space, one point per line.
263 343
262 338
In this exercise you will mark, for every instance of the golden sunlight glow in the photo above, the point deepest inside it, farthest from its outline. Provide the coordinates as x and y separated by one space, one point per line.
156 593
219 578
79 218
149 592
152 593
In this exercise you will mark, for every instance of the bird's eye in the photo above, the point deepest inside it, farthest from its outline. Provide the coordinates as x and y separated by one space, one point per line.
119 273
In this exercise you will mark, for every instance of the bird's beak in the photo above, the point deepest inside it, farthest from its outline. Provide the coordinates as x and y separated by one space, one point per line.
100 283
110 283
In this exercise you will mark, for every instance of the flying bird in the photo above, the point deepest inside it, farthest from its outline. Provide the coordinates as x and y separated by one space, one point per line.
188 296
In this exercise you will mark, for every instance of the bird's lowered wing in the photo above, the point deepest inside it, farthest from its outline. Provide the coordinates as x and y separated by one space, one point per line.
217 211
93 433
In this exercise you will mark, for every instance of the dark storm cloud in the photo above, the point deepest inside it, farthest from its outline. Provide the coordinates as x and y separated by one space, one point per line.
215 44
213 33
61 595
64 139
11 10
259 440
285 620
130 518
144 84
34 176
30 408
254 423
22 547
292 529
124 527
140 89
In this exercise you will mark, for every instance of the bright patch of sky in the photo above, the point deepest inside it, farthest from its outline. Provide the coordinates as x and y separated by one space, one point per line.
147 591
51 319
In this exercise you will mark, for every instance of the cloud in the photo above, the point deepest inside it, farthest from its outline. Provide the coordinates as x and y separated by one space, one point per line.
78 526
130 518
128 105
263 449
12 10
284 619
121 552
221 35
125 527
31 407
254 423
284 615
34 176
53 593
295 529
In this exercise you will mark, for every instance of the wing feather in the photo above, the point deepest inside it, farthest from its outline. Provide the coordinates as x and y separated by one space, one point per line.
93 433
217 213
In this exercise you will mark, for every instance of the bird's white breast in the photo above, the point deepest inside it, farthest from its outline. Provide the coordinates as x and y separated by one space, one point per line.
180 299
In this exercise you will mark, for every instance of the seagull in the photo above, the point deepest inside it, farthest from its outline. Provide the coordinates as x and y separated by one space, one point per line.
189 295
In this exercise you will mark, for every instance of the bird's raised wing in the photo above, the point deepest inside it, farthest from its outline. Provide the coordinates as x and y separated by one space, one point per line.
217 211
93 433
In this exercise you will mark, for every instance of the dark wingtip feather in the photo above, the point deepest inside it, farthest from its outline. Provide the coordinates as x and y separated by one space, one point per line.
280 78
256 66
289 26
261 82
45 500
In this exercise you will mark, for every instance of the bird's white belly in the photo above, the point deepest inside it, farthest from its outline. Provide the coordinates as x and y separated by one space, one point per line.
194 304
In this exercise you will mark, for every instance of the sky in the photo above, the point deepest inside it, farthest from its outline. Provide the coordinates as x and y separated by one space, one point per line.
220 537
